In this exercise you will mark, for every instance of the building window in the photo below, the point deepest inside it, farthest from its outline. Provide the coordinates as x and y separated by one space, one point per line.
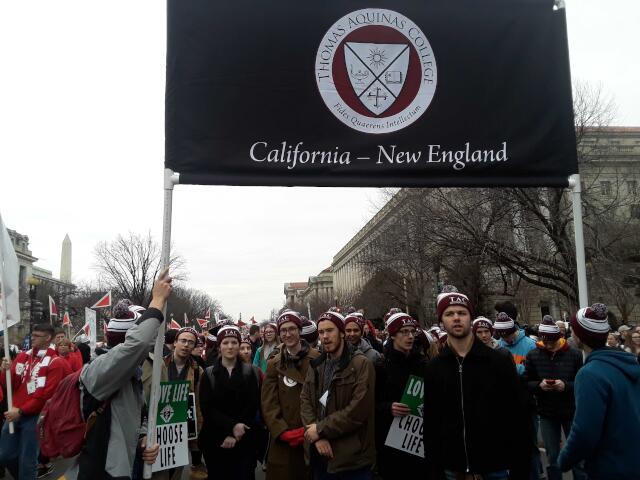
635 212
632 187
605 188
22 276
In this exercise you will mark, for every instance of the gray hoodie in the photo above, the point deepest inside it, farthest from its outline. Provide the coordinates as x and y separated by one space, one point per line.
372 355
118 372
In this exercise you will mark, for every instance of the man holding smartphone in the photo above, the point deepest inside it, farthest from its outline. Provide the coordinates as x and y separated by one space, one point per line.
550 370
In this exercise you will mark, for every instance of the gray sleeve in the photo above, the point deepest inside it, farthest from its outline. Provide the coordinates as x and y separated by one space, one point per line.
109 372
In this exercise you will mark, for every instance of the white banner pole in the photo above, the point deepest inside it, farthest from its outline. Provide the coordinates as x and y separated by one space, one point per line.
581 265
170 179
7 353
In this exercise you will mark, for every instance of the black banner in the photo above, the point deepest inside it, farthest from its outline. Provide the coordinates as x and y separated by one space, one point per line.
369 93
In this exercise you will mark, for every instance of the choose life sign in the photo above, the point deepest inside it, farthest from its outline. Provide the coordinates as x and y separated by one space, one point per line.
405 432
171 427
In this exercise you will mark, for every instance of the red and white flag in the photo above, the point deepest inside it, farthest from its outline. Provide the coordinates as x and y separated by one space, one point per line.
207 315
104 302
174 325
186 320
86 329
53 310
241 323
66 321
253 320
203 323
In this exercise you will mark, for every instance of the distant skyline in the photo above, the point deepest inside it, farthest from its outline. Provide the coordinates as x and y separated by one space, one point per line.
82 148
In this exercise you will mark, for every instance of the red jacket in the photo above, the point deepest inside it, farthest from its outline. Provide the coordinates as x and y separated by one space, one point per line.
34 378
74 360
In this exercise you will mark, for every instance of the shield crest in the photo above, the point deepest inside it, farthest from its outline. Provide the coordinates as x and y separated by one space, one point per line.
377 72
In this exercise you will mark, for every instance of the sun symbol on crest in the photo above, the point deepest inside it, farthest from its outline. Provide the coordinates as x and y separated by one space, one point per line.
377 58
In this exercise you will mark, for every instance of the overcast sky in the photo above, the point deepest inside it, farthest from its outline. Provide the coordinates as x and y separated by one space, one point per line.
82 148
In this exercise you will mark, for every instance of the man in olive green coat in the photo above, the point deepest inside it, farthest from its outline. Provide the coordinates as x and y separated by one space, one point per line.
338 407
281 388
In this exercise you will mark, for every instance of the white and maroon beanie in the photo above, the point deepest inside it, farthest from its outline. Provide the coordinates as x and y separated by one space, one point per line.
125 316
451 297
289 316
591 326
504 324
482 322
398 320
309 331
356 318
548 330
228 331
336 318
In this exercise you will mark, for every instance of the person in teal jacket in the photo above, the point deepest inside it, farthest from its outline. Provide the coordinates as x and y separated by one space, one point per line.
513 339
606 427
270 342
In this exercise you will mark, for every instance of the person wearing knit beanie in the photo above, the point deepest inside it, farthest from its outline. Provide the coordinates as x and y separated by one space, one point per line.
283 382
331 331
590 326
309 332
245 350
551 370
450 297
332 316
354 333
504 325
338 405
513 339
483 330
289 316
548 330
606 390
125 315
229 331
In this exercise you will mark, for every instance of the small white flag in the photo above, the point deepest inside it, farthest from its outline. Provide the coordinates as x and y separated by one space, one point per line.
9 274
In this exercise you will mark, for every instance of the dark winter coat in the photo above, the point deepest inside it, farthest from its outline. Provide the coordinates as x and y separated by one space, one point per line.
234 399
560 365
348 424
463 396
392 375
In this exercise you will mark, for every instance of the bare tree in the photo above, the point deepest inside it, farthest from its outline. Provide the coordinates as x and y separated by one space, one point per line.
192 302
129 265
490 241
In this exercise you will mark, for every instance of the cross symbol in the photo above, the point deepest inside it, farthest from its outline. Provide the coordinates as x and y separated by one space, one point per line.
377 96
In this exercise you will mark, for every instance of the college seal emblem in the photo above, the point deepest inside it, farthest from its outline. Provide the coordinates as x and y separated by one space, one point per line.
376 71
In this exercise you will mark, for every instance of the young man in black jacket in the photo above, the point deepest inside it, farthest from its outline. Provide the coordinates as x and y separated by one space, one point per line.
466 386
550 371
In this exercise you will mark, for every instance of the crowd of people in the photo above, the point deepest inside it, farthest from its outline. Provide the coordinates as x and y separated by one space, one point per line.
320 399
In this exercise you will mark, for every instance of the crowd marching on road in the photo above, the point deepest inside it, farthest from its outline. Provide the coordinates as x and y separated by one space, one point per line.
332 399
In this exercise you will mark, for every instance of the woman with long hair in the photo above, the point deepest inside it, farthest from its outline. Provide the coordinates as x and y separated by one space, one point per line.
269 343
229 400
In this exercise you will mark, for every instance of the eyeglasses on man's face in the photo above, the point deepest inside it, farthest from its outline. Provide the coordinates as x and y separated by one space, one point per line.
186 341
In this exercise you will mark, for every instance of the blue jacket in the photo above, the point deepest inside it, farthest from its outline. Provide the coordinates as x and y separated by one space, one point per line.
606 426
519 349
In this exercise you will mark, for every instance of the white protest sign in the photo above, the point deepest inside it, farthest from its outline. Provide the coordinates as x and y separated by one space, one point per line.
171 428
90 318
405 432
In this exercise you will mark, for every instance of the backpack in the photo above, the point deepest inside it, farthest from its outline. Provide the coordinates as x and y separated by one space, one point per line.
62 428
